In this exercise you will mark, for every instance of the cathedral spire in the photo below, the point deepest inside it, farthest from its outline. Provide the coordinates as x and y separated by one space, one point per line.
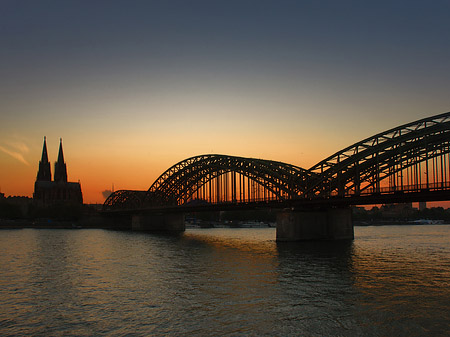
44 158
60 165
60 154
44 173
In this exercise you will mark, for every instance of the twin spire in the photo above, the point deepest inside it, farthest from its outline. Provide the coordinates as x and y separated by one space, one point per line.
44 152
44 173
60 165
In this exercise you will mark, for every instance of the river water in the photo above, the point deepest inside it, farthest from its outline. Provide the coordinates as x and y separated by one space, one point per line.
391 280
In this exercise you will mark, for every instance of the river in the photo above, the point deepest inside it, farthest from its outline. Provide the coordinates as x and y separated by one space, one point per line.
391 280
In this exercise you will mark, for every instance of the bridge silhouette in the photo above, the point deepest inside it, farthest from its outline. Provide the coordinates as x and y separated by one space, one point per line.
408 163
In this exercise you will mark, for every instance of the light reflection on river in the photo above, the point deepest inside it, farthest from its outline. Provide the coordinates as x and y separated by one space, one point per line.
389 281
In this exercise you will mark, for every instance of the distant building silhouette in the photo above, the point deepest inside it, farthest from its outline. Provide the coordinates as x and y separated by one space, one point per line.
58 191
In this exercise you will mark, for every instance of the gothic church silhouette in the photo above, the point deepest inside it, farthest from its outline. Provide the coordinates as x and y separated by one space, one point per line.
58 191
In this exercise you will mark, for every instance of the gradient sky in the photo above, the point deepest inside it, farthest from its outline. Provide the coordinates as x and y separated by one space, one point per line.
133 87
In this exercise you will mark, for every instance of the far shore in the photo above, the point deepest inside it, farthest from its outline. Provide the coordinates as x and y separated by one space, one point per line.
47 224
91 223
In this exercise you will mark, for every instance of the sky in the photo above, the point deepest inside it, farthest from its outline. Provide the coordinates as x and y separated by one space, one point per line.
133 87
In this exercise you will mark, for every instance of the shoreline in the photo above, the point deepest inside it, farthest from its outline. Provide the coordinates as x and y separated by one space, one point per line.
49 224
90 224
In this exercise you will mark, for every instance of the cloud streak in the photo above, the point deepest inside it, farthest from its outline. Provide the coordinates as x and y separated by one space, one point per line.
15 155
19 146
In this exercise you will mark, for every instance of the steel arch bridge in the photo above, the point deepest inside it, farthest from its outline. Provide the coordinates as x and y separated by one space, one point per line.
409 158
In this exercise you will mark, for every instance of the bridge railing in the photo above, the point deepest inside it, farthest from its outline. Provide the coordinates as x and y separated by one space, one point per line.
439 186
253 200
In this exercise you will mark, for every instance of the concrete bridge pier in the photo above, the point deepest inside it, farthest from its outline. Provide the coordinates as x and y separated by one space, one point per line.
304 225
158 222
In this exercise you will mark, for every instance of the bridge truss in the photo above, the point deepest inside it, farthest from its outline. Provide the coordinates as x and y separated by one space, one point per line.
410 158
413 156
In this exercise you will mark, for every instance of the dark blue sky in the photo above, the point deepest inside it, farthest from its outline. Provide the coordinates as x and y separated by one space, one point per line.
379 38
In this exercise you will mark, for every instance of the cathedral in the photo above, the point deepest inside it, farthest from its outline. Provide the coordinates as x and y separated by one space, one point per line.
58 191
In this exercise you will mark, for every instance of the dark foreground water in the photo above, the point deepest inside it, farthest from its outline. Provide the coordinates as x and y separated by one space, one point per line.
390 281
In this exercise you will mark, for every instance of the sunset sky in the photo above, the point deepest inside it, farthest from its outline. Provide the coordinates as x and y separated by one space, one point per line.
133 87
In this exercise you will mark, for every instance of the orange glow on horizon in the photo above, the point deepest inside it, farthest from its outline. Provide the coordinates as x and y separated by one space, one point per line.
134 162
129 163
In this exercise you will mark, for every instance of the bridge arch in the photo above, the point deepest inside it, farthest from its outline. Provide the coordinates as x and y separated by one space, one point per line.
227 178
402 156
411 157
124 199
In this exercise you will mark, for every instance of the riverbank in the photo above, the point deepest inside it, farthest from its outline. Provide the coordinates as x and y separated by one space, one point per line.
88 222
399 222
95 222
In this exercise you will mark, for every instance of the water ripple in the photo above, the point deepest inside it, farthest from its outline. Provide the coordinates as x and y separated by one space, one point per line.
389 281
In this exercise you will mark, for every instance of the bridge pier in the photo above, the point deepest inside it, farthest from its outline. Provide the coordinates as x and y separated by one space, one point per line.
326 224
158 222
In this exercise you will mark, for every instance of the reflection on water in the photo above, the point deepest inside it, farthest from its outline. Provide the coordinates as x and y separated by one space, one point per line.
389 280
404 273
